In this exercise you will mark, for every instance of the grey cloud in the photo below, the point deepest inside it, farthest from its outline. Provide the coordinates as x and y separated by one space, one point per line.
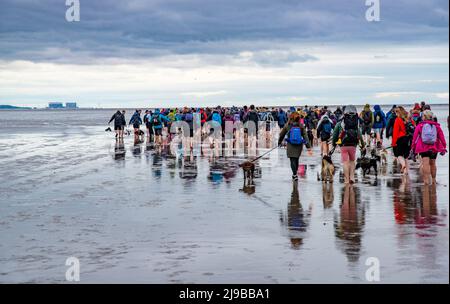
279 58
35 30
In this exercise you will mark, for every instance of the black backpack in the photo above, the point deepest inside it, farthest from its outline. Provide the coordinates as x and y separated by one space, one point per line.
410 128
367 118
350 129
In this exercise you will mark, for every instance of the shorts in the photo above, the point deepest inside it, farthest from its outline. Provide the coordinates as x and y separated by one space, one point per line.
136 126
158 132
377 131
348 153
325 137
118 128
429 154
403 147
366 130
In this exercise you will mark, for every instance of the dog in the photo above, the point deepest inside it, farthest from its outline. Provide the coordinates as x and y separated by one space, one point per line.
248 168
367 163
327 172
310 137
375 156
383 157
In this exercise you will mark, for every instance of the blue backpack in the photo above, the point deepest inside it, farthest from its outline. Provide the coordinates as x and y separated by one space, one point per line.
327 128
216 117
188 117
295 136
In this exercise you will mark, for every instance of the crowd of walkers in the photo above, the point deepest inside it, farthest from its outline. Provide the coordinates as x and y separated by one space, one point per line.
413 135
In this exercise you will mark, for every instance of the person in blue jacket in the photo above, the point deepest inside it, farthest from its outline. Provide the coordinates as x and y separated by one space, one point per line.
136 121
379 124
157 120
282 118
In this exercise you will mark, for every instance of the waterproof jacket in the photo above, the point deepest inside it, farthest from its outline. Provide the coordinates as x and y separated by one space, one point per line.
119 119
294 150
418 146
381 124
136 119
282 119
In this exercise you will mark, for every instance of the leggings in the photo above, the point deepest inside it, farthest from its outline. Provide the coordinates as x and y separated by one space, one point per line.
294 165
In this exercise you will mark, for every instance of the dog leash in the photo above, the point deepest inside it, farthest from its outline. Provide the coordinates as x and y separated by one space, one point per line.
332 151
264 154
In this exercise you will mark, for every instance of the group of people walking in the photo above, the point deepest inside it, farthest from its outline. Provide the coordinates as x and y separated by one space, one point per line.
414 134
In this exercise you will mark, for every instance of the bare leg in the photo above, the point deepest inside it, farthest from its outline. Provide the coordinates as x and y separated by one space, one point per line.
346 172
402 162
433 170
426 173
352 171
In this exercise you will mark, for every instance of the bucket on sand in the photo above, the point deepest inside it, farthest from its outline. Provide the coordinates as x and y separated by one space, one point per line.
301 170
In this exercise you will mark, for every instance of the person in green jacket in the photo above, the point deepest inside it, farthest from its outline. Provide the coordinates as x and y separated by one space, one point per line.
296 138
368 120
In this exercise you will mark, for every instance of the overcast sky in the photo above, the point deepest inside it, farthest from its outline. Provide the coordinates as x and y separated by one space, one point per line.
208 52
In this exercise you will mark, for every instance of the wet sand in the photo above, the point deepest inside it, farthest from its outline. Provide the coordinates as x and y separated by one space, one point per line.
67 190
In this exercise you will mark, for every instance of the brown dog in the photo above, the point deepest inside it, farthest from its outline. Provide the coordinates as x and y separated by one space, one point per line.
327 173
249 170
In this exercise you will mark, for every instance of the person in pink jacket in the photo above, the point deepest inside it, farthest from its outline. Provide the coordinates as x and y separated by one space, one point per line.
428 142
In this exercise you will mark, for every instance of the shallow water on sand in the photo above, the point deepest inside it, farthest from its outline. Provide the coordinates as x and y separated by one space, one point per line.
143 216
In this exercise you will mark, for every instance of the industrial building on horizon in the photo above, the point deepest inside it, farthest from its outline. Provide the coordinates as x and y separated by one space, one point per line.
60 105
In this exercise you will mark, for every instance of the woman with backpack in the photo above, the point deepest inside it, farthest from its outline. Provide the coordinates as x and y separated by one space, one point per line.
367 123
347 135
428 142
324 130
402 134
296 138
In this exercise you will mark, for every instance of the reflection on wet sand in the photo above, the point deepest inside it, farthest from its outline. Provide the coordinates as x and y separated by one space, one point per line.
296 220
188 168
415 205
136 149
349 226
119 150
327 195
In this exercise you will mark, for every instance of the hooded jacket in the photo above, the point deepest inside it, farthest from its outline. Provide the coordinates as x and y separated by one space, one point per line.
418 146
379 113
119 119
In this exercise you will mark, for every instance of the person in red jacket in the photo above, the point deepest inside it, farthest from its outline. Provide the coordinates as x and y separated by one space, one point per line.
401 138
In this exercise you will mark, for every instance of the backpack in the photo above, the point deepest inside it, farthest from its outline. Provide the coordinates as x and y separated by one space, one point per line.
350 129
410 128
416 117
378 117
326 127
429 134
295 136
367 118
156 120
216 117
188 117
237 117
